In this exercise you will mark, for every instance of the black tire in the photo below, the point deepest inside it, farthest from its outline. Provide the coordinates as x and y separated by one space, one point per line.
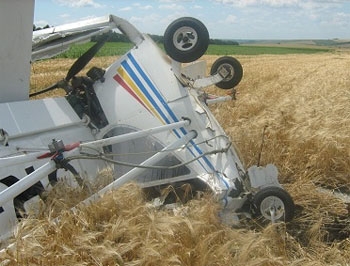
281 199
186 39
233 66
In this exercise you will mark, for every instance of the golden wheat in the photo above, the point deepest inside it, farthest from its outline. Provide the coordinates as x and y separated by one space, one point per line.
302 101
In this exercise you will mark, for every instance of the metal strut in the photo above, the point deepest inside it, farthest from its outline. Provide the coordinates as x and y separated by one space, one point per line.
133 173
135 135
26 182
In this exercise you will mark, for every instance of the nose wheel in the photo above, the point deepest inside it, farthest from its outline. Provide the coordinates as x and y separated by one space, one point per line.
272 208
273 204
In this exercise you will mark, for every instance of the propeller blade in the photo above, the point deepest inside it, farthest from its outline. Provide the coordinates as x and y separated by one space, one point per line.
78 65
85 58
52 87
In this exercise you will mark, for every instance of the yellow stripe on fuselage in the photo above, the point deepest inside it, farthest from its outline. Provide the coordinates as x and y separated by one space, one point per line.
127 79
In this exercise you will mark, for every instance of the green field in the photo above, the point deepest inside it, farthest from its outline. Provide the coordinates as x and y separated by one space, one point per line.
109 49
255 50
120 48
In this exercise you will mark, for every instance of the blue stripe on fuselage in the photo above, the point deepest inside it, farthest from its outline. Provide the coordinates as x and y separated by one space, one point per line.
163 102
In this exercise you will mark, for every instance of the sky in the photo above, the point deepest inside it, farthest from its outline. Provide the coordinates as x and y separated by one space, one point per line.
225 19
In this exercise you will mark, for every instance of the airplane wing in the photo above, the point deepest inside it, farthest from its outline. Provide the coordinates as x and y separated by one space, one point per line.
49 42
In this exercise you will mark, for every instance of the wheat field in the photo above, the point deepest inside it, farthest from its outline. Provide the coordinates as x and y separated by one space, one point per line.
300 102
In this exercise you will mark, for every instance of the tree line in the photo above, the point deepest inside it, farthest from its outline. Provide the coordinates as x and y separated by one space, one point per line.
40 28
118 37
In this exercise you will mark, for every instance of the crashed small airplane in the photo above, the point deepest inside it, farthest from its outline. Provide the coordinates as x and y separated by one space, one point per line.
146 117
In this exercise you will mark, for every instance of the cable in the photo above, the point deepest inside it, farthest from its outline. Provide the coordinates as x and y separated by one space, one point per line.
103 157
157 151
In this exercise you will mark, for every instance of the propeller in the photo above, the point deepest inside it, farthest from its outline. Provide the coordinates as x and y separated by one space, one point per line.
78 65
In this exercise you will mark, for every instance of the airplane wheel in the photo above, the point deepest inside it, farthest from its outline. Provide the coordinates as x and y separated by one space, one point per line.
186 39
274 204
234 69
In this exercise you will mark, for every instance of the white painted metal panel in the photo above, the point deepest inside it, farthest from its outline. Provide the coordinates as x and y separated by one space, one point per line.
16 29
33 116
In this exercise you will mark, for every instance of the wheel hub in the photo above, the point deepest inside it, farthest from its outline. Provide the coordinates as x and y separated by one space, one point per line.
272 208
229 69
185 38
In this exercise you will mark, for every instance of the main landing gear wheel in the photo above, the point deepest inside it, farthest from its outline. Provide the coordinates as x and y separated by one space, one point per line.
273 204
186 39
233 68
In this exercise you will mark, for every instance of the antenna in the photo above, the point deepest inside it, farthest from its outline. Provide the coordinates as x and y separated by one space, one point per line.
262 145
